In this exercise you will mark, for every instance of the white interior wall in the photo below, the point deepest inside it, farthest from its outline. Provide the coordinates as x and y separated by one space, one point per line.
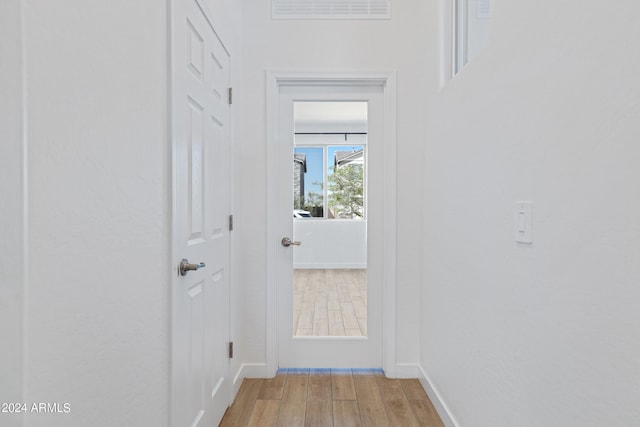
11 209
542 334
396 44
98 218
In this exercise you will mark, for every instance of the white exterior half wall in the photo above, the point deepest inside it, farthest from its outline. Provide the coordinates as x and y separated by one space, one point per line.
330 243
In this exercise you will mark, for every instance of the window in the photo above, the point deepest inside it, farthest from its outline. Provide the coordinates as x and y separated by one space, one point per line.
328 182
470 30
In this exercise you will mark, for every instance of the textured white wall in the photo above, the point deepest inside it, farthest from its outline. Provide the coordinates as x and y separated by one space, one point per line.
98 309
11 208
398 44
546 334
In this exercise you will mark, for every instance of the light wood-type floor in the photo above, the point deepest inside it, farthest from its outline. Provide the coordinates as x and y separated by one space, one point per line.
331 398
330 302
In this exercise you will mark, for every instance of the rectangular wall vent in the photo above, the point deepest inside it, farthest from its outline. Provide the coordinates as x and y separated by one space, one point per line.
330 9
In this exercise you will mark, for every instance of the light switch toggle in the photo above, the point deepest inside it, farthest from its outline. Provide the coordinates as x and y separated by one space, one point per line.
524 222
522 218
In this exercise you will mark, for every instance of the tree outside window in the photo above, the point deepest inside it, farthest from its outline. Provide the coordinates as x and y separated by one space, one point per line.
346 185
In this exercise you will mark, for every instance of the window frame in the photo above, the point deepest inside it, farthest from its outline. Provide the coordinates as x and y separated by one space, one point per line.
325 175
455 36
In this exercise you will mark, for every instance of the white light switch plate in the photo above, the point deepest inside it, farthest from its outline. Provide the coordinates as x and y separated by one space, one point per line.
524 222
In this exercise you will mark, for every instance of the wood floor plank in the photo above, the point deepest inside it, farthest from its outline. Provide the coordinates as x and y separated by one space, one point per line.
342 387
319 411
363 326
360 307
239 413
265 413
349 315
422 407
272 388
338 295
396 404
413 389
346 413
321 327
370 402
323 397
333 302
425 413
320 308
294 397
334 316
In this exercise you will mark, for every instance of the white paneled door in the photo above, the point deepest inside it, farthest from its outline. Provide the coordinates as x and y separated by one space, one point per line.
200 115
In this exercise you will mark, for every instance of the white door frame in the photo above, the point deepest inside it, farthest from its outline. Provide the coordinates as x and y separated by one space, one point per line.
387 81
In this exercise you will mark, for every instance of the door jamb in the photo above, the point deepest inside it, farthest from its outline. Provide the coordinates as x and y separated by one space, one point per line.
387 81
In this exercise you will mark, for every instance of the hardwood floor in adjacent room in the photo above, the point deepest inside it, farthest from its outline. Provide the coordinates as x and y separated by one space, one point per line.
330 302
331 398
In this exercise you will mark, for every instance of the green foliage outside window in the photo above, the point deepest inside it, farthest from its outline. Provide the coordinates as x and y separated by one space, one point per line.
346 191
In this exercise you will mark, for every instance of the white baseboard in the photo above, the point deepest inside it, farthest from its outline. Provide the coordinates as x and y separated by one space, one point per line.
253 370
442 408
248 370
407 370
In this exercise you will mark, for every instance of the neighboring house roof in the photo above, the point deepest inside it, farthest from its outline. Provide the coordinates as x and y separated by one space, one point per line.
302 159
342 158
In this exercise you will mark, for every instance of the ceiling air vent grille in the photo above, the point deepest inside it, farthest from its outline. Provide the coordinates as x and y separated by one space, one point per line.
330 9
